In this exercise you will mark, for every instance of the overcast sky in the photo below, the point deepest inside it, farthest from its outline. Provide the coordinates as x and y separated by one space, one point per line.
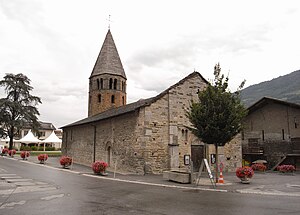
56 42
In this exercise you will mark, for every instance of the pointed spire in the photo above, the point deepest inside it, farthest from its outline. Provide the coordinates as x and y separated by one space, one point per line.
108 61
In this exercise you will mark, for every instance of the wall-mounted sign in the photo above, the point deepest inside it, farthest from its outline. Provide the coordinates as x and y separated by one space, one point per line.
213 158
187 159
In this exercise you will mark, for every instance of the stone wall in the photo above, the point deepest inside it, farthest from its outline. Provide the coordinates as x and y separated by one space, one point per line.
166 135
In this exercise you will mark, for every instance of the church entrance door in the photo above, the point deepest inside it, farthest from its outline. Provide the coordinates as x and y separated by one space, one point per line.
197 155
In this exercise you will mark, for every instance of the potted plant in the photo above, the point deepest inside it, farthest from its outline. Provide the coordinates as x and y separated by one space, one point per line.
24 155
99 167
244 173
65 161
42 158
5 151
12 152
259 167
286 168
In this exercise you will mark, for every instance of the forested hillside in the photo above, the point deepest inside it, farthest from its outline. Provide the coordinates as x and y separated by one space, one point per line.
285 88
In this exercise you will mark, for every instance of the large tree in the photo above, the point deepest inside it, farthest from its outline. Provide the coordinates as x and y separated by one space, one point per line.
18 108
217 117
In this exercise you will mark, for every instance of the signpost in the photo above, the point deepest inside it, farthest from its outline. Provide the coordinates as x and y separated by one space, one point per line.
210 175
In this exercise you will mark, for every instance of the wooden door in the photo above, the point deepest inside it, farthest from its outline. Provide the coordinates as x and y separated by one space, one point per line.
197 155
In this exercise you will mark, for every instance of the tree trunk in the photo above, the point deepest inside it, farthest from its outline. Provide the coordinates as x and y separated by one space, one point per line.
11 138
217 161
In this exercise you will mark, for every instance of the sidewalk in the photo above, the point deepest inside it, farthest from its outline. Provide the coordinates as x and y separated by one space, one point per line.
262 183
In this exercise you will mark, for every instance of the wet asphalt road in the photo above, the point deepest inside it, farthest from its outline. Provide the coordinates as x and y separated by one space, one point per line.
34 189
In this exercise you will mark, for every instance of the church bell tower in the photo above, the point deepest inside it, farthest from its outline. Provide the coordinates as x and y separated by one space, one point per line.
107 86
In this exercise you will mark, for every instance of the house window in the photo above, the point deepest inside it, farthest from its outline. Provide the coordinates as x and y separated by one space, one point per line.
101 83
115 84
99 98
263 135
110 83
123 86
282 134
123 100
113 99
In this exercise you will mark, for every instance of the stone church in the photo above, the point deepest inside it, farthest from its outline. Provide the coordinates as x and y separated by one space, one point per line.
147 136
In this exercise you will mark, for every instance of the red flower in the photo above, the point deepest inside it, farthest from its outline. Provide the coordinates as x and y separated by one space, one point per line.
25 154
259 166
5 151
65 161
243 172
99 166
286 168
12 152
42 157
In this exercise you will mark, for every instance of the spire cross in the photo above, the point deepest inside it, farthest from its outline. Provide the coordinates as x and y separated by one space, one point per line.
109 21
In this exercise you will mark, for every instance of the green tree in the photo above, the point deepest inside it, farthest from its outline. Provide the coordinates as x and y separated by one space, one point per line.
18 108
217 117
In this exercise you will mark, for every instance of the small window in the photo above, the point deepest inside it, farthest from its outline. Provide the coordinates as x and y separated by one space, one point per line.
115 84
122 85
101 83
113 99
110 83
282 134
123 100
98 84
263 135
186 135
99 98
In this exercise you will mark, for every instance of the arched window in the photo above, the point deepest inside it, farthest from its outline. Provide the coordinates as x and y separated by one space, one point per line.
99 98
122 85
98 84
113 99
123 100
101 83
110 83
115 84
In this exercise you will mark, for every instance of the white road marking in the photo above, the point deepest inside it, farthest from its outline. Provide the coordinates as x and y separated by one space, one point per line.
12 204
47 198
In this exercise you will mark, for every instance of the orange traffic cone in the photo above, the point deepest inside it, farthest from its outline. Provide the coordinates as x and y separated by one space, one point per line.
221 179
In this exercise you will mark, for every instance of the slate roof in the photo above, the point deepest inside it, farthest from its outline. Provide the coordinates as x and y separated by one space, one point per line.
267 100
108 61
132 106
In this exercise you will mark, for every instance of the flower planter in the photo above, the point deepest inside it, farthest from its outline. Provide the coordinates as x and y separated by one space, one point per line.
244 174
286 169
42 158
99 168
65 161
12 152
24 155
245 180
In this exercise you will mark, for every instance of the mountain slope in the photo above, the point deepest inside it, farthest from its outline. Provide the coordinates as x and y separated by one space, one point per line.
285 88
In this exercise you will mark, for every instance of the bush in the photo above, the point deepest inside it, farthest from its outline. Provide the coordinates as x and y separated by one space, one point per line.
42 158
33 148
259 167
25 148
243 172
5 151
286 168
99 166
25 154
12 152
49 148
65 161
